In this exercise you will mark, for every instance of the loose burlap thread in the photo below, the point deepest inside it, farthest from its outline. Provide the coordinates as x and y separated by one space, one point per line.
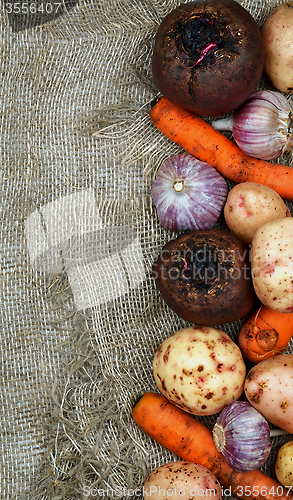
81 317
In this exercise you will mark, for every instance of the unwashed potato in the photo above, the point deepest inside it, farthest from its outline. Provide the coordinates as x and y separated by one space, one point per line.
284 464
278 41
199 369
184 480
268 387
249 205
272 264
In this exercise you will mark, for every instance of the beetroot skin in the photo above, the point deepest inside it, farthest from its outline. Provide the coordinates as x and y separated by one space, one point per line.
208 56
204 276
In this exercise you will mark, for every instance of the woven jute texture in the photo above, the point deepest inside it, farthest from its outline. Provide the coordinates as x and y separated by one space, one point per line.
81 317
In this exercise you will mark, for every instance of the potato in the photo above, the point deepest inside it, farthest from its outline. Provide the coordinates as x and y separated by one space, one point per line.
278 41
284 464
272 264
199 369
268 387
185 480
249 205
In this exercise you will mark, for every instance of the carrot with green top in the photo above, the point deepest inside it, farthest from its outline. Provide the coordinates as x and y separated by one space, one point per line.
200 139
181 433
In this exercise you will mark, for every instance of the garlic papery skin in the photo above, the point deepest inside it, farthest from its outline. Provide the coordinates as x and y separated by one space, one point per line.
188 194
242 435
262 127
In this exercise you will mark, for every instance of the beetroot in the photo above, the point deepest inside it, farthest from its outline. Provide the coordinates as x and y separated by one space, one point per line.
204 276
208 56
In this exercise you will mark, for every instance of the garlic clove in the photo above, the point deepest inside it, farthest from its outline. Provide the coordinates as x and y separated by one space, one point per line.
262 126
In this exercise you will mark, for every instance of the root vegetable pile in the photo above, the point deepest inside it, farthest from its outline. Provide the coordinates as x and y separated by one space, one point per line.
192 441
199 369
201 140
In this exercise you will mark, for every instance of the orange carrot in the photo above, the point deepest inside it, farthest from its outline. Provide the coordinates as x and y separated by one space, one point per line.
207 144
191 440
265 334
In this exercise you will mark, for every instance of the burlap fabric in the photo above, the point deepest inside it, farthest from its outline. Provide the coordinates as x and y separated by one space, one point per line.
80 315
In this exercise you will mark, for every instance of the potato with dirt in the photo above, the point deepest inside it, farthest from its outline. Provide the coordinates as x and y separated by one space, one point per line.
249 205
284 464
185 480
272 264
278 42
269 388
199 369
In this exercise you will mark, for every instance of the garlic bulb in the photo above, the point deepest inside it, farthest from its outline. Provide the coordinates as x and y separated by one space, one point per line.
242 435
262 127
188 194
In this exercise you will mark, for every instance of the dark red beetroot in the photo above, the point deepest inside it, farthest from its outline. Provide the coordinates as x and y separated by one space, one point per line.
208 56
204 276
